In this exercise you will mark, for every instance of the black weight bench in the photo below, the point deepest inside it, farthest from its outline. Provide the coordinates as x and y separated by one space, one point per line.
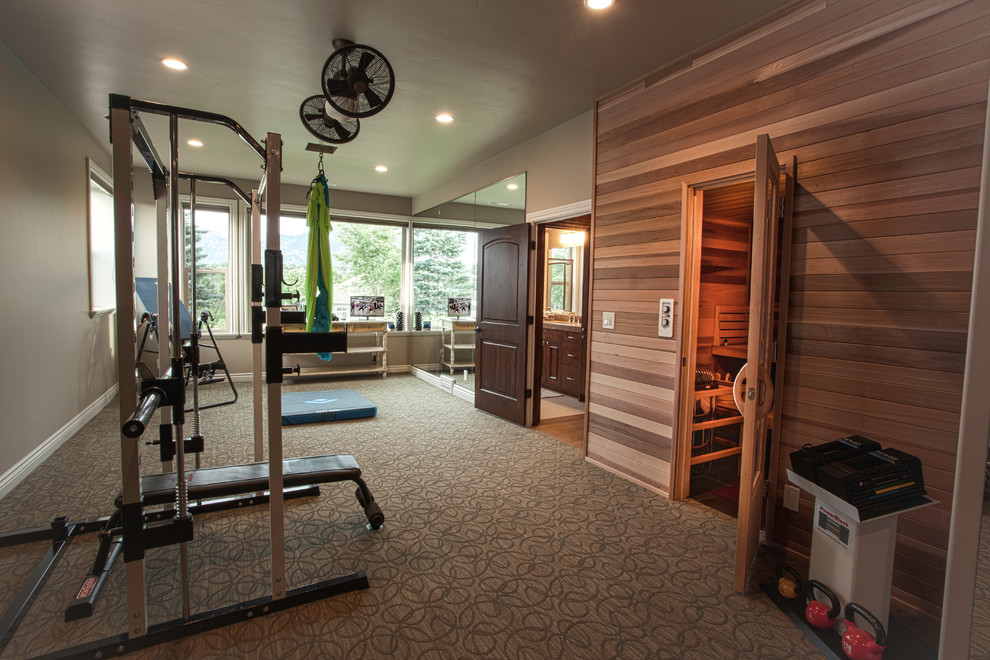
207 483
215 484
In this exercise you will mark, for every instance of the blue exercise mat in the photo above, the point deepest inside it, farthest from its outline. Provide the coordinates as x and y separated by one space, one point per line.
328 406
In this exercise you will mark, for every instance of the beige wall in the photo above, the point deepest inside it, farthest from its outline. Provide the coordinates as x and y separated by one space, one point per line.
557 163
56 359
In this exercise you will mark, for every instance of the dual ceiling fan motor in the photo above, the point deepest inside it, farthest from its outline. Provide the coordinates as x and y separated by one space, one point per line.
357 82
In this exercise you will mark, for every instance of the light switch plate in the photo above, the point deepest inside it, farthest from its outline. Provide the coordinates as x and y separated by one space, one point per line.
666 317
608 320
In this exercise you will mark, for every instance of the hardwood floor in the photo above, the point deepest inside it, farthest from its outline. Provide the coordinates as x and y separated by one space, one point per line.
569 430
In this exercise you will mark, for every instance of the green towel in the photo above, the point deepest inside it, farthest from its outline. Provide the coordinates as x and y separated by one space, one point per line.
319 272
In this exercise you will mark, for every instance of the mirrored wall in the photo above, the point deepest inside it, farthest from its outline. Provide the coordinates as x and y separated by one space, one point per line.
444 263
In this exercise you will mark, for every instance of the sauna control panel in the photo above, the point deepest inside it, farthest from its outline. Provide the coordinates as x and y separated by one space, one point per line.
666 317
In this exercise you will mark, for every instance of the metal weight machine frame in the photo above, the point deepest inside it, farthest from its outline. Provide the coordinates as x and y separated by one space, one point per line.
139 530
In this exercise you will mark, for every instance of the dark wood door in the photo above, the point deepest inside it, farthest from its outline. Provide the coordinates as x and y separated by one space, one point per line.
503 288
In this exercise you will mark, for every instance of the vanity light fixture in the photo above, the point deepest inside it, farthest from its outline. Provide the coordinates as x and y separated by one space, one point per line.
193 142
173 63
572 238
598 4
381 168
513 186
444 118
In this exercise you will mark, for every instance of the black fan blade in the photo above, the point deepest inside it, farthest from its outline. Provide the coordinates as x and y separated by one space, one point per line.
366 59
337 86
373 99
313 116
342 132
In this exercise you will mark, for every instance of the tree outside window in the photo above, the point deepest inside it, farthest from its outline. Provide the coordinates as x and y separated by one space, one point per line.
367 261
560 278
212 264
444 266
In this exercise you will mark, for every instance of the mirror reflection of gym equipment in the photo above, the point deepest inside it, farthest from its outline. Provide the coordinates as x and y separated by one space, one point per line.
447 344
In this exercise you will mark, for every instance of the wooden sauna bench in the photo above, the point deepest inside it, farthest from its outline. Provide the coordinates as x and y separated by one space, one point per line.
732 448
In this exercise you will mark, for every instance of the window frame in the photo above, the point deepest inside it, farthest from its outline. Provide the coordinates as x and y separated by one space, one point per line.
407 223
566 284
96 174
233 285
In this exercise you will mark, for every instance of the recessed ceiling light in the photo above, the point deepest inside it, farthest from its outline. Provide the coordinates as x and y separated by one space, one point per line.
597 4
173 63
381 168
513 186
193 142
444 118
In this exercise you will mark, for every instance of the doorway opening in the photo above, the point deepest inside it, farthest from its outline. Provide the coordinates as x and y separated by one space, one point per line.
718 267
718 321
562 285
721 288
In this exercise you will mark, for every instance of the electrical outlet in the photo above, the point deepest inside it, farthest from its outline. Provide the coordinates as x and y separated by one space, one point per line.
608 320
792 498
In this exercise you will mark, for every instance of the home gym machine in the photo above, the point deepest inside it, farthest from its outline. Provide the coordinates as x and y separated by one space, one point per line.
133 530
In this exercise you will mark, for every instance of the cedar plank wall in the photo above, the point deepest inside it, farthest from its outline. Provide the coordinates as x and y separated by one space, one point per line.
883 103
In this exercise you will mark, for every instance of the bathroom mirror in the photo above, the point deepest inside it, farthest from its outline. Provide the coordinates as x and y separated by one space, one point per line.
564 278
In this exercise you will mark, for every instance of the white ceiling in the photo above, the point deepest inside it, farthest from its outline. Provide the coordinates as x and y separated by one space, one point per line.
507 70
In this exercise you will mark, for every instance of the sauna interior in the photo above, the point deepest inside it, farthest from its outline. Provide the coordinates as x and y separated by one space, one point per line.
721 283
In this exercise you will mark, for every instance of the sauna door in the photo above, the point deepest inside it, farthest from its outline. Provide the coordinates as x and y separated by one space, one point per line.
753 387
500 337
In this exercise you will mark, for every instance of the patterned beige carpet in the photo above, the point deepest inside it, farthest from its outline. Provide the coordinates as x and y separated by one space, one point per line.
979 641
499 542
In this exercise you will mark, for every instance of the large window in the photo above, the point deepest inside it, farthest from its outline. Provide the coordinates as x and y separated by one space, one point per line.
294 242
102 290
367 261
444 266
212 264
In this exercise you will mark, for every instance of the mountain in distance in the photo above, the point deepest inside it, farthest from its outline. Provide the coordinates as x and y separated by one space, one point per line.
213 247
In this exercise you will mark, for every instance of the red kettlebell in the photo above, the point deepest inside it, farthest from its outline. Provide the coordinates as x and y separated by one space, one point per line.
817 613
857 643
789 582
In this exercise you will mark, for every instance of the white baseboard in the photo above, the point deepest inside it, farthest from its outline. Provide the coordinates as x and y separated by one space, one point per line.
462 393
26 465
392 369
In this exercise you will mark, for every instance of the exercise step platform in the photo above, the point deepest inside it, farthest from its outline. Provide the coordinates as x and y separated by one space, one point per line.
250 477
